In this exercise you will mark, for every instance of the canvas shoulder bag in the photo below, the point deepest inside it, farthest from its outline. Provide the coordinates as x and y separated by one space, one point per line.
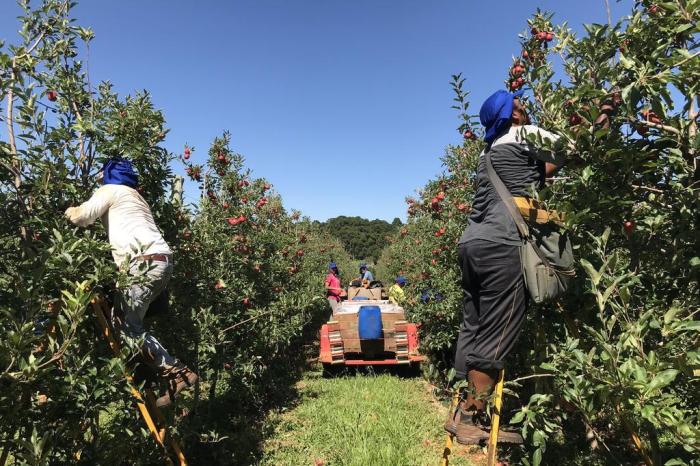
546 254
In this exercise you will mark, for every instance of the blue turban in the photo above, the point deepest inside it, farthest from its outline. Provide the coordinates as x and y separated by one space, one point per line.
332 265
120 171
401 280
496 112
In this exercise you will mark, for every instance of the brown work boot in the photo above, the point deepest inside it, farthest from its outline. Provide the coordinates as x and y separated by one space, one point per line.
453 417
471 429
177 378
509 436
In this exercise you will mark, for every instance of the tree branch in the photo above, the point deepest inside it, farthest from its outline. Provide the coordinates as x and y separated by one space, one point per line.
666 128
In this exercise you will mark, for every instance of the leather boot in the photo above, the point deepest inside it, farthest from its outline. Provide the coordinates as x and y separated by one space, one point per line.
509 436
177 378
454 416
481 384
471 428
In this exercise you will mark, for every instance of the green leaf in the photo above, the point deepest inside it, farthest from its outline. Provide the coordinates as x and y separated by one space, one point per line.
684 27
537 457
626 62
591 271
693 325
661 380
670 315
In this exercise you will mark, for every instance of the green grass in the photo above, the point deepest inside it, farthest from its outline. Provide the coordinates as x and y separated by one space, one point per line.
360 420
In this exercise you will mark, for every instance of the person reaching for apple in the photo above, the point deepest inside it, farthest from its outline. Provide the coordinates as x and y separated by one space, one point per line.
132 230
495 298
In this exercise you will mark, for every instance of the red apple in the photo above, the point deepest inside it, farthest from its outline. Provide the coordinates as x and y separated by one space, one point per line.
550 36
462 207
246 301
628 225
52 95
574 119
651 117
542 36
187 152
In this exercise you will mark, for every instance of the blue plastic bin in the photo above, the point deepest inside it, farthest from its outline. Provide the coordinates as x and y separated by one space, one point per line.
370 323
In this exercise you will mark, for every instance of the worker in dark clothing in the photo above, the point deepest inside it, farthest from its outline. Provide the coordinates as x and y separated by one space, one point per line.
495 298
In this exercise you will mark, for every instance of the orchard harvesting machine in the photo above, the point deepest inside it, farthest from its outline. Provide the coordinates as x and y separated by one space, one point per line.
369 332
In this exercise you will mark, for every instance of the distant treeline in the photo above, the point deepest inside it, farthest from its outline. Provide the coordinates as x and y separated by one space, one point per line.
363 239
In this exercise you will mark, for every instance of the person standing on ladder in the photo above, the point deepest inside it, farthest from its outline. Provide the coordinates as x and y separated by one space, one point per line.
495 298
130 226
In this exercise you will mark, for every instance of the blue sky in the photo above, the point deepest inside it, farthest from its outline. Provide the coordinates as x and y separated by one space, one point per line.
343 105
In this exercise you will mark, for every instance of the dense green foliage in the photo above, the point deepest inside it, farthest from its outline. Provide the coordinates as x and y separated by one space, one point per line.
363 239
616 366
245 296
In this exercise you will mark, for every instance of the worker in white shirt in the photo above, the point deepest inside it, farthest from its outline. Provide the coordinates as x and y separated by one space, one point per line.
137 245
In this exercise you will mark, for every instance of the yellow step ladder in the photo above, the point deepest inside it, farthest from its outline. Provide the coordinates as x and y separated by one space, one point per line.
491 454
146 404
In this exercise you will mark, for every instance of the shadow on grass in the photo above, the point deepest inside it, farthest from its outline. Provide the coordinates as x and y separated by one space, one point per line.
227 423
401 371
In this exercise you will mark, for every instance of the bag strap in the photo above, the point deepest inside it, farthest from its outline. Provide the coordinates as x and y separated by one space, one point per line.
506 197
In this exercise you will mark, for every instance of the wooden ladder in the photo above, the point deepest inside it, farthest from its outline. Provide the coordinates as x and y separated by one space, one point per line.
401 336
336 341
146 403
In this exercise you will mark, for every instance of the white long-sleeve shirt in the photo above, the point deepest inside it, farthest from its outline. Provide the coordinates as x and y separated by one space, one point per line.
127 219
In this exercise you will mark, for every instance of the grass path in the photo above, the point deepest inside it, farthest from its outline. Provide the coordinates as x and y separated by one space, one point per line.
361 420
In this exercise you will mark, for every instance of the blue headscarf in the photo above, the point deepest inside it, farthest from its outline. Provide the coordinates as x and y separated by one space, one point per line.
120 171
401 280
332 265
496 112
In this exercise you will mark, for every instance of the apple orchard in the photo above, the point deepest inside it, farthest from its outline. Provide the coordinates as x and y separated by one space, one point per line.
609 376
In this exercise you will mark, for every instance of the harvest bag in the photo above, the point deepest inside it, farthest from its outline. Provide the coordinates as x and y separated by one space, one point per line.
546 255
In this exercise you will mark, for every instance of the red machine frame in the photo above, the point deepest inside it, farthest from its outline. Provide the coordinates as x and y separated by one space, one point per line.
333 353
